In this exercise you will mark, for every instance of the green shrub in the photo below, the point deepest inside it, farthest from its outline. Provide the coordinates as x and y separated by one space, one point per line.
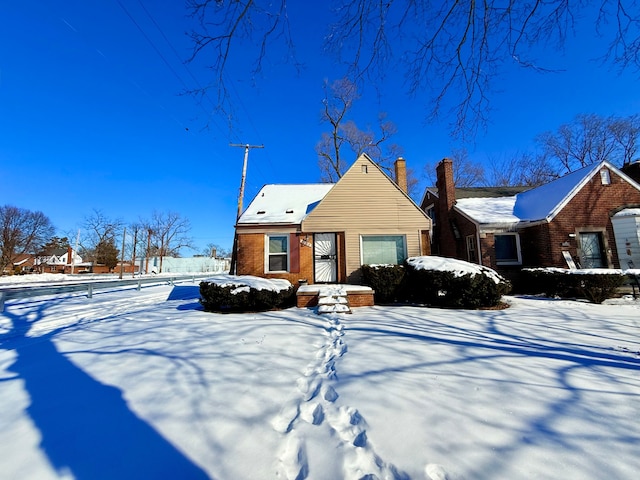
563 283
597 287
550 282
386 281
238 297
451 290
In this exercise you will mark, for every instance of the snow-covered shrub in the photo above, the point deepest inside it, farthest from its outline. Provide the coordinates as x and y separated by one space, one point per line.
452 283
230 293
385 280
596 285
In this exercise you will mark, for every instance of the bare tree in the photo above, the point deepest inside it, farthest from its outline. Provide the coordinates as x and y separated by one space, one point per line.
453 51
169 233
99 235
521 169
21 231
591 138
215 250
626 134
465 172
344 134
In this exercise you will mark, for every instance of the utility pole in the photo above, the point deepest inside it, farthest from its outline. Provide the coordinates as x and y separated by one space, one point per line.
234 252
244 172
124 237
73 254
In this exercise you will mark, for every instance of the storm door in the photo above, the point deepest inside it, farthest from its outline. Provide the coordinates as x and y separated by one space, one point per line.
592 251
325 257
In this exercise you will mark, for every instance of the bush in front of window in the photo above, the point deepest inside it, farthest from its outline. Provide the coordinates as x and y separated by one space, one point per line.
237 299
558 282
450 289
550 282
386 282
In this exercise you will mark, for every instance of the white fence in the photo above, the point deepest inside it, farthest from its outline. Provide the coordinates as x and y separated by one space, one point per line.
186 265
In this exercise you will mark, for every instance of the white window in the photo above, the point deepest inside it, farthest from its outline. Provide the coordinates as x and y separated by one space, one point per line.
605 176
383 249
277 253
507 246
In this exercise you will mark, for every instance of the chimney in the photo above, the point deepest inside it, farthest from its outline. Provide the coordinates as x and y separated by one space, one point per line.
444 183
446 199
401 173
69 255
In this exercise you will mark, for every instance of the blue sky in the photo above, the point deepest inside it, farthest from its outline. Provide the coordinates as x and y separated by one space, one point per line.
91 115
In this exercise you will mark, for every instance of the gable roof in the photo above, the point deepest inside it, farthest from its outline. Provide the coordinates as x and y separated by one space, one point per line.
538 204
365 196
545 201
284 203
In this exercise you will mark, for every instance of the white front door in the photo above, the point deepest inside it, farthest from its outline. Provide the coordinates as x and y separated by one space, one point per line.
325 257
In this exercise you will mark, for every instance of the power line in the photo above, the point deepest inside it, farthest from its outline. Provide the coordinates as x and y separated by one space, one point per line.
164 59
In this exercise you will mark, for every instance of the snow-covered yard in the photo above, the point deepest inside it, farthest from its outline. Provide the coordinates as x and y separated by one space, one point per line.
146 385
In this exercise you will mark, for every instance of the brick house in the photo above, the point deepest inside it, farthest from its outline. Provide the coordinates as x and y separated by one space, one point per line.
584 218
324 233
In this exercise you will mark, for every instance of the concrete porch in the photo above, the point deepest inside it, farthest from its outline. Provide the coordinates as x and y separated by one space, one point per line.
357 295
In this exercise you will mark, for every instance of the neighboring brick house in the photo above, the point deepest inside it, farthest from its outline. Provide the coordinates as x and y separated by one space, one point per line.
576 219
324 233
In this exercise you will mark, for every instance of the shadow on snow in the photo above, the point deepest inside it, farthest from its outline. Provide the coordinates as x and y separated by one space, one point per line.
86 427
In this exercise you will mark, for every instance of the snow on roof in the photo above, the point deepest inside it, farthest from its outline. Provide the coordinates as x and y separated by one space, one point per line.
489 210
536 204
288 203
457 267
539 203
628 212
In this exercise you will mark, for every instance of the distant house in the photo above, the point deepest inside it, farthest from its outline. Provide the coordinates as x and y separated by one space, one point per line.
324 233
22 263
585 218
62 261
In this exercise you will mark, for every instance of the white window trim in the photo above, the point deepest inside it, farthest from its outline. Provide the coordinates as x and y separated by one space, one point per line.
518 249
267 254
404 242
471 241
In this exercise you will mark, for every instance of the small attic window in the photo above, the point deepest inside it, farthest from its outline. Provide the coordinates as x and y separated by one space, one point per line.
605 176
364 168
261 212
289 211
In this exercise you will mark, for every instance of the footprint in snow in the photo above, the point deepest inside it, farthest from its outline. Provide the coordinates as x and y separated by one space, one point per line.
308 387
329 393
293 463
312 413
283 422
436 472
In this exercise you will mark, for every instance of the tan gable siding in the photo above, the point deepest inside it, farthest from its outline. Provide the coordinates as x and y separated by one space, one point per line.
367 203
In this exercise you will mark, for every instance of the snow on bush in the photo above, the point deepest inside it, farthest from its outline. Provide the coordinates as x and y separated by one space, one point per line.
249 281
455 266
245 293
594 284
437 281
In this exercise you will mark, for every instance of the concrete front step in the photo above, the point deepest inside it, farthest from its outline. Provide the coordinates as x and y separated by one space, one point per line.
332 300
357 295
336 308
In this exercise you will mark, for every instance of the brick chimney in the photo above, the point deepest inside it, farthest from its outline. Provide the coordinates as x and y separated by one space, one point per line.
444 183
444 215
69 255
401 173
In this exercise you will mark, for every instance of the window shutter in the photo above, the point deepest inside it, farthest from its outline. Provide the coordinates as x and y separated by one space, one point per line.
294 250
